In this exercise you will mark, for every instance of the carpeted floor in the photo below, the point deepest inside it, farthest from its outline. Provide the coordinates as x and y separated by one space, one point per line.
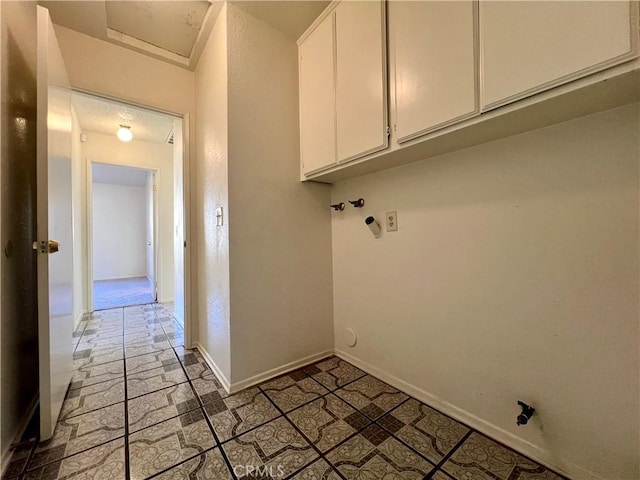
121 293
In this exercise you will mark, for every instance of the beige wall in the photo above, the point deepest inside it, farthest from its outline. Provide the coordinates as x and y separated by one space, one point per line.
211 191
513 275
103 148
280 229
102 67
266 273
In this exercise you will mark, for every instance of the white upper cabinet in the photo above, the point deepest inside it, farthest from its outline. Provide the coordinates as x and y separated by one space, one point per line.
433 45
317 98
461 72
343 89
528 47
361 72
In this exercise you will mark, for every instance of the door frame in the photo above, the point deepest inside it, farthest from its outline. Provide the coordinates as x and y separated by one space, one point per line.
89 222
189 310
154 234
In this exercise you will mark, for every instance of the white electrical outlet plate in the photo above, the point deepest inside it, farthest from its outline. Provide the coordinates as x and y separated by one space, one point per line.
392 221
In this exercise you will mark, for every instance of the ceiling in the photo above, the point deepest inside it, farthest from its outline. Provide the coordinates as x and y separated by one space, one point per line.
100 115
175 31
117 175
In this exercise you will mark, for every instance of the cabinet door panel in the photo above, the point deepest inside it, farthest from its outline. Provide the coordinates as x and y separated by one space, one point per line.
435 66
528 47
317 99
361 100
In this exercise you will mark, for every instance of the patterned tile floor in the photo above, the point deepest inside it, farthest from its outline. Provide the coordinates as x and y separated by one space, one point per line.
140 405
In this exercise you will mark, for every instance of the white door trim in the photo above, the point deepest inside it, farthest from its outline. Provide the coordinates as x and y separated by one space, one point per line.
89 232
156 174
186 225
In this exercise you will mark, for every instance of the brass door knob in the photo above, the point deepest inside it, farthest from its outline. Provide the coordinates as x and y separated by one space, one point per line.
53 246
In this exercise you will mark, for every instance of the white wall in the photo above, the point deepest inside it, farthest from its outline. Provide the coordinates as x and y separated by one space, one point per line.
211 191
103 148
280 229
119 231
513 275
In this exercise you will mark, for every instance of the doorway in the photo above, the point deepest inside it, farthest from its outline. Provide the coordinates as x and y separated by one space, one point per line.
150 158
124 232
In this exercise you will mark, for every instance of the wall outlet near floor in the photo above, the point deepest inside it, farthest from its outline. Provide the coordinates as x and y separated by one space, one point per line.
392 221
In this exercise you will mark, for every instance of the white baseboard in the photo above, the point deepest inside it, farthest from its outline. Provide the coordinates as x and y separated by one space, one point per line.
6 452
261 377
212 365
124 277
542 456
166 300
274 372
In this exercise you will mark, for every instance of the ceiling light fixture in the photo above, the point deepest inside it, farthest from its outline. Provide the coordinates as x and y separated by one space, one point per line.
124 133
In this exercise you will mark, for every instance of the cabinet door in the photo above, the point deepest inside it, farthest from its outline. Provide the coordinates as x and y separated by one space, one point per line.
317 99
435 64
361 98
528 47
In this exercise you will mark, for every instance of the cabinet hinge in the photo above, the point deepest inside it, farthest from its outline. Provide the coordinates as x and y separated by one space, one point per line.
388 131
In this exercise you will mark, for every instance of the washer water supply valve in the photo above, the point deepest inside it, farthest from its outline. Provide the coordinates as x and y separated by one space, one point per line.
338 207
527 413
373 226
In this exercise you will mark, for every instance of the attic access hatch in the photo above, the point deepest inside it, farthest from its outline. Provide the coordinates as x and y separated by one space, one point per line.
173 31
172 26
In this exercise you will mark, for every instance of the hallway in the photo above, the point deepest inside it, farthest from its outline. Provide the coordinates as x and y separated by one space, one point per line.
140 405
